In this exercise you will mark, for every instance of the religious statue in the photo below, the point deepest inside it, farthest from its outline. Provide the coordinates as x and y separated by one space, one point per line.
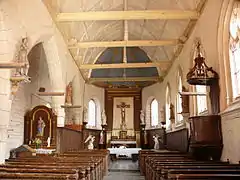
156 142
185 101
48 141
85 113
104 118
142 117
101 139
21 57
122 107
172 116
69 93
145 137
40 127
90 139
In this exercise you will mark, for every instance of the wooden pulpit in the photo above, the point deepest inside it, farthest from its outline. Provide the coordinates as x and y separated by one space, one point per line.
40 123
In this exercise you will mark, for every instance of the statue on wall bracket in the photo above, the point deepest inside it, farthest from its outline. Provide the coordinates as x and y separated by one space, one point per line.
69 94
20 74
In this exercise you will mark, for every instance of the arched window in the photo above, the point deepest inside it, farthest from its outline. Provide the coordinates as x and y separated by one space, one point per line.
201 100
179 99
234 51
92 113
154 112
167 107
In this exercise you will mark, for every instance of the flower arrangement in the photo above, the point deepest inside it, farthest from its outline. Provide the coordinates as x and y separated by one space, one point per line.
38 142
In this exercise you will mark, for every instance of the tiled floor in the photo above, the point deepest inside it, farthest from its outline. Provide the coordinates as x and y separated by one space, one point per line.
124 170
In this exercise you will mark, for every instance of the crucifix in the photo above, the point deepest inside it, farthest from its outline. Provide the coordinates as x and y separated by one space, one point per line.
123 107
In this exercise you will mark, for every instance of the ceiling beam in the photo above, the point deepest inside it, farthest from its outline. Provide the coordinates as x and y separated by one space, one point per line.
127 15
135 43
10 65
163 65
124 79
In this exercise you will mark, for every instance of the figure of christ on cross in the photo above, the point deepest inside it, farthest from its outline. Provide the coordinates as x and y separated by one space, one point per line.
122 107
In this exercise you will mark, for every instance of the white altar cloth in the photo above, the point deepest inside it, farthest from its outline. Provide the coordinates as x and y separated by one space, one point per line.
123 142
45 151
124 151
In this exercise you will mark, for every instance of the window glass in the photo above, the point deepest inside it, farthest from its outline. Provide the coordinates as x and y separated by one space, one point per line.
91 113
154 113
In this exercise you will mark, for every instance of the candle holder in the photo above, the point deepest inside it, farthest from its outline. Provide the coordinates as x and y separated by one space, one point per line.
104 127
85 124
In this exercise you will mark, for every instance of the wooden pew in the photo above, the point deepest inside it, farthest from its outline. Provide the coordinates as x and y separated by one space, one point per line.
144 153
84 165
158 165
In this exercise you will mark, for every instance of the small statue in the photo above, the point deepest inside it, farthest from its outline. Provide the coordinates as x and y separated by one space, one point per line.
104 118
69 92
85 114
101 139
40 126
156 142
185 101
90 141
48 141
142 117
21 57
172 116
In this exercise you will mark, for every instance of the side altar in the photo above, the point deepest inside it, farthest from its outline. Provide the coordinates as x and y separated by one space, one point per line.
40 125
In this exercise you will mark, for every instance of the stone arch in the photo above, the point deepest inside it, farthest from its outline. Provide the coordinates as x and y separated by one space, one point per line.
223 53
55 69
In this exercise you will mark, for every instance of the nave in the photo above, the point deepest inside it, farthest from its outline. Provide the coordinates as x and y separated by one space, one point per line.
96 165
124 169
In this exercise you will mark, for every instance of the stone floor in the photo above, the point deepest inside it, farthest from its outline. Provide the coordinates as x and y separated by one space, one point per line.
124 170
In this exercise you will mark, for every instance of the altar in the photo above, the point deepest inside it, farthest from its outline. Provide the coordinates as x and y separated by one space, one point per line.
122 152
123 142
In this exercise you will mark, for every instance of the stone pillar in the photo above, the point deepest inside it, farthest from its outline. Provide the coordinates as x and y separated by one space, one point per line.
186 121
60 116
162 118
109 136
138 141
3 143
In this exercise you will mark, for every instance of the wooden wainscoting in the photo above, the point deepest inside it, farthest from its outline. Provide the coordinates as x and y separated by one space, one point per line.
69 139
178 140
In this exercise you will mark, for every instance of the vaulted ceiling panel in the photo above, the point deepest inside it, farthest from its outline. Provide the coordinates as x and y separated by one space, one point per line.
174 29
156 26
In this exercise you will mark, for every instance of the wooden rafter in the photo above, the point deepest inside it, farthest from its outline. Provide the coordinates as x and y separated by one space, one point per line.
11 65
124 79
127 15
134 43
163 65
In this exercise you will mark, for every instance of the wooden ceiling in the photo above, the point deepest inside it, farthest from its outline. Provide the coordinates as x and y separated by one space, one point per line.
160 28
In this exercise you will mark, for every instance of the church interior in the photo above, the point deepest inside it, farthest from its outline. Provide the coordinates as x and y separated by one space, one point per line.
119 89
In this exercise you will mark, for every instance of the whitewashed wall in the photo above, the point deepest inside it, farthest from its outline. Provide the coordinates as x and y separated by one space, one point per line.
212 28
34 22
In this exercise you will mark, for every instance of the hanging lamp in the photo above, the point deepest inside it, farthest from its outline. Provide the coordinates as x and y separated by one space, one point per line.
201 74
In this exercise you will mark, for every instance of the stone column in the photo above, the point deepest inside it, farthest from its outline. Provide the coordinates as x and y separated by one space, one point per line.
3 143
60 116
186 121
162 118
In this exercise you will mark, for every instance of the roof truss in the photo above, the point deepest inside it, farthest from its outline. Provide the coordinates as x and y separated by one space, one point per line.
127 15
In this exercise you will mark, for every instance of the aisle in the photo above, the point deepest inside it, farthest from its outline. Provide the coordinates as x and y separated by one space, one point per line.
124 170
